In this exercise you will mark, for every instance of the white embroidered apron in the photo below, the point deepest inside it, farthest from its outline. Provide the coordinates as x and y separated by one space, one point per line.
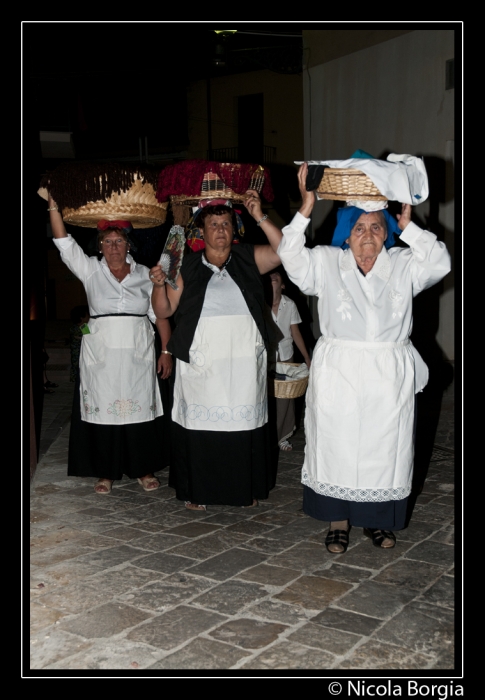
359 420
117 369
224 386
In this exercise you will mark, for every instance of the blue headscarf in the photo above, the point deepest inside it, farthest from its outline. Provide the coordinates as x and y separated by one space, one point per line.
347 218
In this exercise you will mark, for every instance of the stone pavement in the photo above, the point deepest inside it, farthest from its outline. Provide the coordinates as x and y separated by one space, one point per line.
135 583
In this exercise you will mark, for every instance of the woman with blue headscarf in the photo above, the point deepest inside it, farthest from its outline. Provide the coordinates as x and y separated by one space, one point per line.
365 371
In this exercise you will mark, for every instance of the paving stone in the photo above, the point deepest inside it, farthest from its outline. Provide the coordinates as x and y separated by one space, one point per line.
225 518
53 538
274 517
55 555
165 563
331 640
341 572
301 528
202 654
248 633
433 553
421 627
305 557
170 591
347 621
60 646
196 529
280 612
124 579
408 574
227 564
110 655
231 597
75 597
289 655
112 556
268 545
284 495
65 572
373 655
37 516
446 535
417 531
208 546
105 621
312 592
42 617
252 528
157 542
366 556
376 599
269 575
441 593
175 627
125 533
434 513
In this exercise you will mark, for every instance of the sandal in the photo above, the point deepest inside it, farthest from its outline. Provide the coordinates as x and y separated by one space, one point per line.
193 506
103 486
149 483
338 537
285 445
379 536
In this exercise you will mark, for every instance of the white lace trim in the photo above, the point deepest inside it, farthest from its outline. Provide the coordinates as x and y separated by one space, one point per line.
369 495
383 268
346 260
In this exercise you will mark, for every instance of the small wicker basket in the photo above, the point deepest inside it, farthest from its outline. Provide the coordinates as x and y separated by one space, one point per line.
138 205
214 188
347 183
288 388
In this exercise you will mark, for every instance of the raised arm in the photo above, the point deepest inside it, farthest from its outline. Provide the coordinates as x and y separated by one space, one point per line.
165 300
57 224
265 256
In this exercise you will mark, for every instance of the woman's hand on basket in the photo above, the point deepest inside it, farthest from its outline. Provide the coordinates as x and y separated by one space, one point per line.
307 198
253 204
157 276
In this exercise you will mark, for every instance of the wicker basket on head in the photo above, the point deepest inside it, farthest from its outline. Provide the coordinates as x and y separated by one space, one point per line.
213 187
347 183
288 388
112 191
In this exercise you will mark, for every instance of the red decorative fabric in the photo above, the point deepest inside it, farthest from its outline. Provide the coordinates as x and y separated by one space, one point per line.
104 224
185 178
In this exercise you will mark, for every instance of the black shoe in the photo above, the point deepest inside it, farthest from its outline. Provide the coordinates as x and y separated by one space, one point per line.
378 536
340 537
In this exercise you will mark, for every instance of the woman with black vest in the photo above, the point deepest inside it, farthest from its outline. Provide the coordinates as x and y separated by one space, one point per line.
221 445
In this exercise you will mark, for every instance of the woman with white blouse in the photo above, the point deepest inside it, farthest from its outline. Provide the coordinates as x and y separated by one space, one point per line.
117 420
360 401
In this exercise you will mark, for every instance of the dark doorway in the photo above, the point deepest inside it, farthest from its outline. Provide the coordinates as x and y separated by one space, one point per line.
250 120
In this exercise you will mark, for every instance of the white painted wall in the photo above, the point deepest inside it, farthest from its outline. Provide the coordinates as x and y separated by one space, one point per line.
389 98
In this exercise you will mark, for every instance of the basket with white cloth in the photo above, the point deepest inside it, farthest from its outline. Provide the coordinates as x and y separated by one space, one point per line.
295 382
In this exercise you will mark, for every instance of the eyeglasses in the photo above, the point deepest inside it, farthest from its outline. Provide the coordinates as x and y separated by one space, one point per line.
115 241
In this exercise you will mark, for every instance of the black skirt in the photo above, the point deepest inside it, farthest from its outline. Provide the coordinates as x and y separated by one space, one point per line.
388 515
219 468
110 451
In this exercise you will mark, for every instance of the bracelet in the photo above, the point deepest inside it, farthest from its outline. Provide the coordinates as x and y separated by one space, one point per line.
261 220
52 209
166 352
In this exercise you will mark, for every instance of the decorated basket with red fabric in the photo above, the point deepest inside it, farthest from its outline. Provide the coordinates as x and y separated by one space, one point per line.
192 181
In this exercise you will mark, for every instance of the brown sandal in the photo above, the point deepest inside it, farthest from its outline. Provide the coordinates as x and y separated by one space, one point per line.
149 483
103 486
194 506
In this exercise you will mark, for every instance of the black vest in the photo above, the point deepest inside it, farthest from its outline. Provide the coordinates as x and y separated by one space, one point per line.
196 276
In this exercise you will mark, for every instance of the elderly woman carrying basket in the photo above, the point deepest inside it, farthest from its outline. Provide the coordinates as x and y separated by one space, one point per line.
365 371
221 452
116 423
